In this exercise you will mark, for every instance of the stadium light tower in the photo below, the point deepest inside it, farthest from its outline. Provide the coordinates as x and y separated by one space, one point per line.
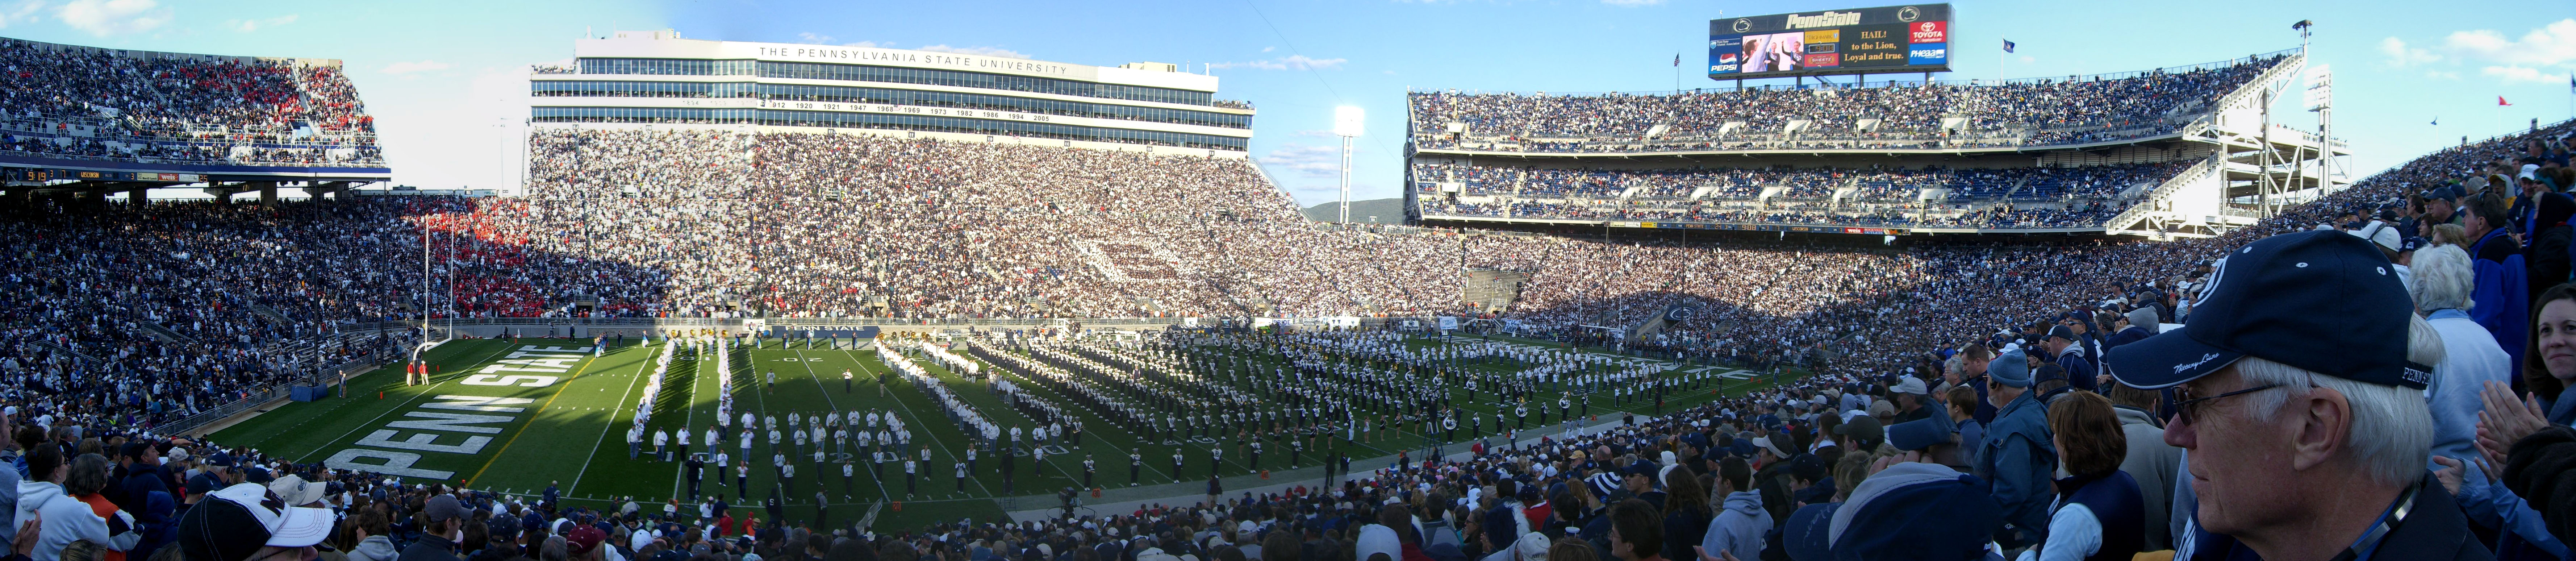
1346 124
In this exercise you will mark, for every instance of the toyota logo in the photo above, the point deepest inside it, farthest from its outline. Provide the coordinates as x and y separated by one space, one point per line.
1907 13
1742 24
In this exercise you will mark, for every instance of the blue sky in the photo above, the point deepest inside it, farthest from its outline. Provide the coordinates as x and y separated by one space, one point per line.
444 79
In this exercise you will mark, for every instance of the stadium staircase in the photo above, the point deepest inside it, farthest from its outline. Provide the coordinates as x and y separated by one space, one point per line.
2281 72
2018 185
2147 215
1494 290
68 351
162 332
271 314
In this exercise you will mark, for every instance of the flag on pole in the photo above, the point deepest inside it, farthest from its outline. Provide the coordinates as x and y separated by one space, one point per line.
2437 120
2500 101
1677 59
2008 45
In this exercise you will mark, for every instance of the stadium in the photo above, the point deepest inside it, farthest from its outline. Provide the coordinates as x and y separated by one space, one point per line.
843 302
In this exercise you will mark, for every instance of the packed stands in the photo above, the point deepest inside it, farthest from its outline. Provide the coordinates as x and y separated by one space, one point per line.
116 311
1999 198
968 230
2075 110
74 102
160 312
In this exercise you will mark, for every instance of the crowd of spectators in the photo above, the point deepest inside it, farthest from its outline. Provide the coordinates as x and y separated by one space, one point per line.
102 103
2035 112
149 314
2005 339
1929 196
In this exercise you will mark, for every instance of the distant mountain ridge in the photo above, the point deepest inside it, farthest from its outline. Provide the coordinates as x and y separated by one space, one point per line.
1387 211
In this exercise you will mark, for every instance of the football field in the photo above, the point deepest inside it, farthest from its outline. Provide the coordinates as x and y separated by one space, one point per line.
517 416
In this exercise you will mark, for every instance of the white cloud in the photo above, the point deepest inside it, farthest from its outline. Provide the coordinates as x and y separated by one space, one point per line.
110 17
401 68
1632 2
1268 49
2400 55
2544 54
252 25
23 10
979 51
2512 74
1290 62
1307 161
2027 59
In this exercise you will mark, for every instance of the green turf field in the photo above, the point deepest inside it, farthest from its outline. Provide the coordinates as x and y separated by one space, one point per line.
514 417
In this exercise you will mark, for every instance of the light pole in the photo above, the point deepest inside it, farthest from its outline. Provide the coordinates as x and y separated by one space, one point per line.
1346 124
2319 99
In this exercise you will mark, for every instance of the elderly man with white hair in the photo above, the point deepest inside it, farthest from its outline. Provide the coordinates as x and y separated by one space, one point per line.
2298 397
2470 358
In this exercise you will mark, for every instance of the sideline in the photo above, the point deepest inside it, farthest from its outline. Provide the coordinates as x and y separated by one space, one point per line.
219 425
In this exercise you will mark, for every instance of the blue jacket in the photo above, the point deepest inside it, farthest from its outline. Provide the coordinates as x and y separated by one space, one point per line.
2079 367
2486 501
2470 360
1972 441
2018 462
2502 293
8 504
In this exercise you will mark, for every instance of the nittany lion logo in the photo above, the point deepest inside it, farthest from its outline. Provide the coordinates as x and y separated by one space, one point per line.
1908 13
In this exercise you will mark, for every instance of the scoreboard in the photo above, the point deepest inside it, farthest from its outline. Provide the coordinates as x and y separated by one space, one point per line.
1882 40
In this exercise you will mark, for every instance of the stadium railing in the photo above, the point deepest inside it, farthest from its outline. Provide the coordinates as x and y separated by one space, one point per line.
1968 82
93 129
192 422
189 423
685 322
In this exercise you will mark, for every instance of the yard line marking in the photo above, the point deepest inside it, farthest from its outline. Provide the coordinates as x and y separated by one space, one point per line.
907 409
550 401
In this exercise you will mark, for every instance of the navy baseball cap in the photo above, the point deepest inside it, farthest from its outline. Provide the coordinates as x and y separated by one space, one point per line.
2062 332
1920 434
2320 301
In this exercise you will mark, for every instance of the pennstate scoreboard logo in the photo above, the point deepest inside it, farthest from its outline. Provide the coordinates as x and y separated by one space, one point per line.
1742 25
1908 14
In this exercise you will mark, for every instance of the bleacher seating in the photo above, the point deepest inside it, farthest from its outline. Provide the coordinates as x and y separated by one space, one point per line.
2039 112
63 101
